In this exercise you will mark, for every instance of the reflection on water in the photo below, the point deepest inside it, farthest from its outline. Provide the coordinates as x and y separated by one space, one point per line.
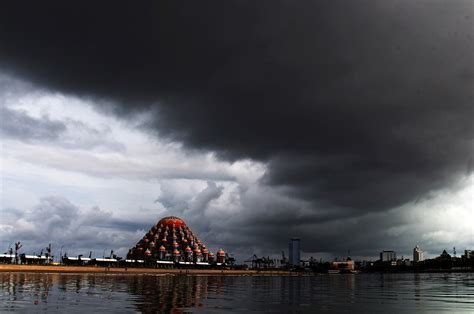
166 293
157 293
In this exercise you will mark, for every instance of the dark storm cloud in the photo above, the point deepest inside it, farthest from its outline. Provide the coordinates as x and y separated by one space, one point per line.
365 105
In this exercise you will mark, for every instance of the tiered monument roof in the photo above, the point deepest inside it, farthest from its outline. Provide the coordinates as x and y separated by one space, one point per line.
171 239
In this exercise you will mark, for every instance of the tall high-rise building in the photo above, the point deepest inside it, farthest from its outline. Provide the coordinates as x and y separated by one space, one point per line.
388 256
294 251
418 255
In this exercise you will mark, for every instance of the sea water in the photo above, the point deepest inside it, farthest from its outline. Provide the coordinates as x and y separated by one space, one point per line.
354 293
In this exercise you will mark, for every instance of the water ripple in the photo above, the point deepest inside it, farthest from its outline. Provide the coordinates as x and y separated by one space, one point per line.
27 292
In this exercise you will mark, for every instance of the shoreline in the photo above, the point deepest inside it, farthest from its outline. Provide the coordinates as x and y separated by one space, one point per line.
63 269
137 271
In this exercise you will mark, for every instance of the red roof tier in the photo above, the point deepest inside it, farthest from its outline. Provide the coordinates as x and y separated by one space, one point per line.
172 220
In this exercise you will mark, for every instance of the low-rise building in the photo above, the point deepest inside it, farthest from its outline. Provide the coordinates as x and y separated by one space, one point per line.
34 259
104 262
7 258
342 267
75 260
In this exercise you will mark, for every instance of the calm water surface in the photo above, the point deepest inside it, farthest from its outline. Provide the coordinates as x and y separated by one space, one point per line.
366 293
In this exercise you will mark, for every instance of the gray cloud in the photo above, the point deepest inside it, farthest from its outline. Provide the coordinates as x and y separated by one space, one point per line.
18 124
56 220
244 220
70 134
193 207
261 219
355 107
82 136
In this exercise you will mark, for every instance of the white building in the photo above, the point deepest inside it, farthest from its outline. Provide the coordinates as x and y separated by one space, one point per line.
388 256
418 254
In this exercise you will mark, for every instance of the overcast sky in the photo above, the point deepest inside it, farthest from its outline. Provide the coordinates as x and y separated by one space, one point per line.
347 124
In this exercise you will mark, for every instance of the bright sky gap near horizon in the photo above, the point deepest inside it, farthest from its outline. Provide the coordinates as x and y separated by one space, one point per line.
350 126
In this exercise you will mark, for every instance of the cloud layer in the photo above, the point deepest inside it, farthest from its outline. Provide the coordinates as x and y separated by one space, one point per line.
346 110
365 105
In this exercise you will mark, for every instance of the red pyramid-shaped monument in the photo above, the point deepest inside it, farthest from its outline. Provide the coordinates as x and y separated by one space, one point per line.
170 239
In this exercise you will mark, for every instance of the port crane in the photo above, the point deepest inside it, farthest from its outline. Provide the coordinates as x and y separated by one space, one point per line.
261 262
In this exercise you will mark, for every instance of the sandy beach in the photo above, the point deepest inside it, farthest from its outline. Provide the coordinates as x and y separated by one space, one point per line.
121 270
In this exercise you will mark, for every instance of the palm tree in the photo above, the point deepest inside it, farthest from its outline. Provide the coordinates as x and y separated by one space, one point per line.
18 246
